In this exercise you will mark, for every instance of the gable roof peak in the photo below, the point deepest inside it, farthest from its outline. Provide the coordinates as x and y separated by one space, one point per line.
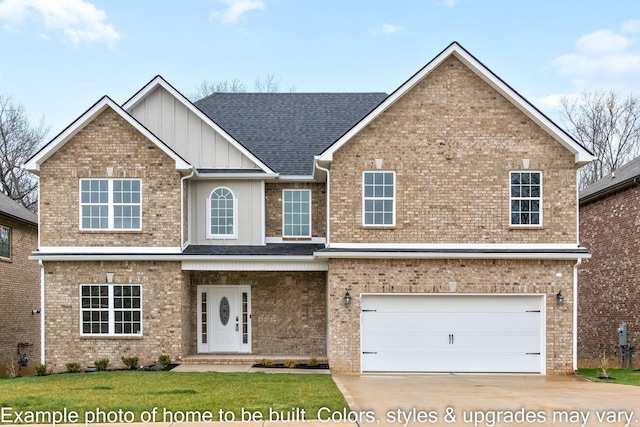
582 155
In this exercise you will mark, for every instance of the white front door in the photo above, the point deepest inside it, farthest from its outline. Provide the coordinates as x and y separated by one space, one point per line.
224 319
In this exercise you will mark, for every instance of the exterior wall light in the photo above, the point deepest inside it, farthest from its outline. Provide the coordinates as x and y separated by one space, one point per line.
559 298
347 299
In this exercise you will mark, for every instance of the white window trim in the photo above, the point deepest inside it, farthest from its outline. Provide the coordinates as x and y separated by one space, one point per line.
10 231
395 185
111 311
110 204
539 225
233 235
301 236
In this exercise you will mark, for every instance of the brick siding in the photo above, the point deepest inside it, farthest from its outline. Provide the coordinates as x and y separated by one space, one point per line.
20 293
439 276
273 209
609 284
452 141
109 141
289 310
163 329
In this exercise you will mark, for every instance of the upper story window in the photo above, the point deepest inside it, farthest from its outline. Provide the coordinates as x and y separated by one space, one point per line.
526 198
111 309
379 198
5 242
222 214
296 213
110 204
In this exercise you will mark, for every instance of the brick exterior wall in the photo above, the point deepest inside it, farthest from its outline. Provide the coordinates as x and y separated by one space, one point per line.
19 294
452 141
273 208
163 331
438 276
289 310
609 284
109 141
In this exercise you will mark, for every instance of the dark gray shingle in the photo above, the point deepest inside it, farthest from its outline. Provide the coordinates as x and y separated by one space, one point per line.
285 130
619 178
14 210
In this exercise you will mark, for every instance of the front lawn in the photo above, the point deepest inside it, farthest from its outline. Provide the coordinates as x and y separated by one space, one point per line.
619 376
174 394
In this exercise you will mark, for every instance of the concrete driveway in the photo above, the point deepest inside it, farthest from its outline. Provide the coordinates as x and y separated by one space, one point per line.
487 400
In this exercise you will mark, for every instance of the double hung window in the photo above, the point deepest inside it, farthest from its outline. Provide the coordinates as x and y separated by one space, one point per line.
111 309
379 198
526 198
296 209
5 242
110 204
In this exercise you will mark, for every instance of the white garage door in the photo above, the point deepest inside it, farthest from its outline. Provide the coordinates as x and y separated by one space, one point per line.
452 333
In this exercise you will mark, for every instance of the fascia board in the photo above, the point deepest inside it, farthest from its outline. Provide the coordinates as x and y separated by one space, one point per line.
582 156
159 81
105 102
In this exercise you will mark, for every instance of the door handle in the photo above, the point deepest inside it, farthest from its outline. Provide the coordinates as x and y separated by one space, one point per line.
451 338
237 328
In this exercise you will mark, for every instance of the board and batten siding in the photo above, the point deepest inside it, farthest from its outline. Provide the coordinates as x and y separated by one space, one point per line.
249 205
186 133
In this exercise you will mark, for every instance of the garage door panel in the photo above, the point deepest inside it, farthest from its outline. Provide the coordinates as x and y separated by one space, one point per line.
452 333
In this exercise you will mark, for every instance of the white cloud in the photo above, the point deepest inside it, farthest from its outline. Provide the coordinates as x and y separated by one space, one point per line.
631 26
602 60
79 21
235 9
603 41
390 29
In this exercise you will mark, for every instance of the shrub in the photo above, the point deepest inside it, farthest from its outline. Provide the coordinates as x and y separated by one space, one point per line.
130 362
73 367
290 364
164 359
267 362
101 364
41 370
313 362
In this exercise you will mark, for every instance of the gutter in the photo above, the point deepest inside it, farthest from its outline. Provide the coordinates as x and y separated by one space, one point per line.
182 180
610 189
42 314
328 225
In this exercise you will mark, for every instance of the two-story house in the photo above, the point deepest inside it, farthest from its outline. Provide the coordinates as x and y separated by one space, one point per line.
432 229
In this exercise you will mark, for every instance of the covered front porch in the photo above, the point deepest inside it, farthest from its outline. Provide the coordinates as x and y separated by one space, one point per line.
243 317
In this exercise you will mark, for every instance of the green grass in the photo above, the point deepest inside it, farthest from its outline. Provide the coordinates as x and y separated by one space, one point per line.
622 376
171 392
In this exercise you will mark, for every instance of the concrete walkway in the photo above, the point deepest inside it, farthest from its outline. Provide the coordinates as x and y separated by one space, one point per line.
248 368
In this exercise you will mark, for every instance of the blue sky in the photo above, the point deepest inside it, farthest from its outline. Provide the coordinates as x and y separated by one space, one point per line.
60 56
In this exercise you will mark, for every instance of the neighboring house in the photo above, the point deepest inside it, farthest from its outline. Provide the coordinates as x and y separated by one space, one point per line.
609 285
432 229
19 288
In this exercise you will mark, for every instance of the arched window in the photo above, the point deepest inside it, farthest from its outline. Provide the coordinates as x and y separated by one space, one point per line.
222 214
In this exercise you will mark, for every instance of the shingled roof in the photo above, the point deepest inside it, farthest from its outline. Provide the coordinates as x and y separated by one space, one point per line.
625 175
285 130
12 209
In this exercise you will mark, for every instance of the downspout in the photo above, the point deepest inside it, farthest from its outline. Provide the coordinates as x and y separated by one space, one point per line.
182 180
575 314
42 313
328 227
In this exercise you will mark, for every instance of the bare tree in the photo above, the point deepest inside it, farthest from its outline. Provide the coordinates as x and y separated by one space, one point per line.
19 140
270 84
606 125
